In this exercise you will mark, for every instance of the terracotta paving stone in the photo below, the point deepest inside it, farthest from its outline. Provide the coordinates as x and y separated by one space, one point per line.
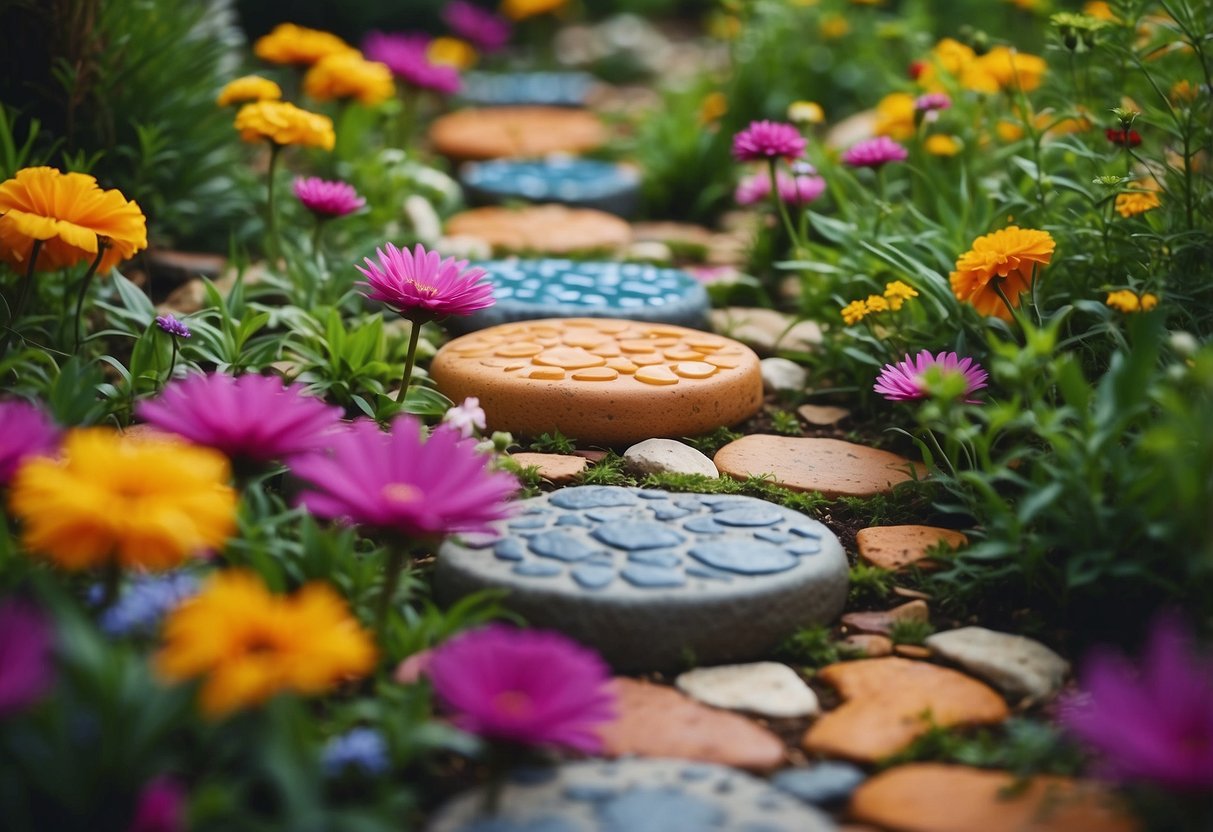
882 622
495 132
657 721
894 547
870 645
888 701
912 651
931 797
822 414
559 469
831 466
550 229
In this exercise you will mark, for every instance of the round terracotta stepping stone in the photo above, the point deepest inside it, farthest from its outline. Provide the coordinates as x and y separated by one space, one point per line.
892 701
547 229
932 797
495 132
831 466
895 547
555 288
647 577
559 469
657 721
632 796
583 183
601 380
510 89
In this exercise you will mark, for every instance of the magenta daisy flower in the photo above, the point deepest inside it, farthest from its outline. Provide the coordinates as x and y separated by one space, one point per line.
420 285
524 686
327 198
796 191
251 418
764 140
27 642
407 56
25 431
486 31
1150 724
932 101
910 379
161 807
873 153
398 481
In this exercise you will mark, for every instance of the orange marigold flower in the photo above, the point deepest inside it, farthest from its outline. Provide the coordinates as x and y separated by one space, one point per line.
1012 69
1132 203
1008 256
895 116
248 88
291 44
939 144
454 52
522 9
1099 10
713 107
70 214
349 75
283 123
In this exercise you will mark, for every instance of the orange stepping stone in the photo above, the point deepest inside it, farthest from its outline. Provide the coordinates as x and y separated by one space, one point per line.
932 797
831 466
495 132
892 701
559 469
895 547
549 229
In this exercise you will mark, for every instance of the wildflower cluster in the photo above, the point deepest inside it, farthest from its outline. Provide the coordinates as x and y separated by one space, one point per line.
894 297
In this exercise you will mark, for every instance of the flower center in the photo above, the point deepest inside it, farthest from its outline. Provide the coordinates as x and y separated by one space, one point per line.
424 290
401 493
513 703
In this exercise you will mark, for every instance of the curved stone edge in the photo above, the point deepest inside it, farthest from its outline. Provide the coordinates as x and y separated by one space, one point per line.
691 312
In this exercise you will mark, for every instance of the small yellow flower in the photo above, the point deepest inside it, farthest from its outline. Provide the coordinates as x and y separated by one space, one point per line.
251 644
895 116
1128 302
806 112
1099 10
522 9
834 26
1009 131
452 52
1132 203
897 293
349 75
876 304
854 312
1183 91
1148 302
939 144
283 123
248 88
291 44
713 107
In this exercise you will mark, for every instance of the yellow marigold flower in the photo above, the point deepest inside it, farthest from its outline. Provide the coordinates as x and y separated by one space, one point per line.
283 123
147 503
834 26
897 293
1148 302
1126 301
1009 131
251 644
1012 69
713 107
895 116
1099 10
69 213
1183 91
939 144
1132 203
1008 256
876 303
291 44
806 112
949 57
452 52
248 88
854 312
349 75
522 9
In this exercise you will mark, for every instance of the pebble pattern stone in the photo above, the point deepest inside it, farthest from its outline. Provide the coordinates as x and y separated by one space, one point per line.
896 547
585 183
497 132
1018 666
831 466
601 380
542 229
506 89
765 688
559 469
553 288
668 456
633 796
647 576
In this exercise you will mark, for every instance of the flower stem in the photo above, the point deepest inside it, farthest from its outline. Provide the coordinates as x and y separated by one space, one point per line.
391 579
271 214
172 362
409 360
997 281
22 296
102 245
782 209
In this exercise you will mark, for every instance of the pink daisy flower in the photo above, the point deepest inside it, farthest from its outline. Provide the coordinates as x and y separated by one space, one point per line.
407 57
327 198
161 807
486 31
524 686
764 140
25 431
907 380
796 191
420 285
872 153
931 101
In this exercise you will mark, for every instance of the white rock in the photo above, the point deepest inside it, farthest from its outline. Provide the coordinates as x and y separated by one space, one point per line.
1018 666
667 456
766 688
649 250
782 374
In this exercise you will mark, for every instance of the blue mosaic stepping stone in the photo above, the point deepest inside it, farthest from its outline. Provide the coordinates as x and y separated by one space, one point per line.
635 795
508 89
583 183
530 289
643 590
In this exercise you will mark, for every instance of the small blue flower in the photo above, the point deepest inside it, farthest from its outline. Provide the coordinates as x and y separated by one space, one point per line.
361 748
145 601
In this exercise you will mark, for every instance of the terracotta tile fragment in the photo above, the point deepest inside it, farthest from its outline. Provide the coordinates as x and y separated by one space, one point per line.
831 466
894 547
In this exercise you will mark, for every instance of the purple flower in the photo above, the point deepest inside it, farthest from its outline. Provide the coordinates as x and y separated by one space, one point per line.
420 285
524 686
172 326
397 481
25 431
872 153
360 748
161 807
327 198
26 663
466 418
145 602
911 378
486 31
1151 725
796 191
764 140
406 55
251 418
932 101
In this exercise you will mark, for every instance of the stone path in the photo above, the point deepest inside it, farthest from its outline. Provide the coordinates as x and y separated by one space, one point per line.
583 183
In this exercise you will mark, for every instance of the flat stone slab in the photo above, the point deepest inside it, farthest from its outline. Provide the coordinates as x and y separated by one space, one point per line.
497 132
765 688
601 381
781 374
649 577
766 330
633 796
822 414
896 547
668 456
530 289
1018 666
831 466
544 229
510 89
883 622
933 797
583 183
827 783
559 469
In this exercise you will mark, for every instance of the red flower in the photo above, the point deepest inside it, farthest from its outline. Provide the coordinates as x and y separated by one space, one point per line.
1123 138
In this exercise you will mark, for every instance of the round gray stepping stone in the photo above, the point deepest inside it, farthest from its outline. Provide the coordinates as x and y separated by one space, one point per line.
530 289
583 183
658 588
635 795
504 89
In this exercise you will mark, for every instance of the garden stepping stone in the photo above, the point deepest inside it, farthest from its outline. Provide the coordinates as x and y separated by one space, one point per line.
658 721
668 456
497 132
781 374
934 797
831 466
867 645
882 622
647 577
601 380
1018 666
543 229
827 783
764 688
892 701
766 330
507 89
896 547
823 415
633 795
583 183
558 469
911 651
554 288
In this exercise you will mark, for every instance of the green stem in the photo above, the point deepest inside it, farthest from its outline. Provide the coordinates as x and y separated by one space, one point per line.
409 359
172 362
782 209
391 579
22 296
997 281
84 284
271 214
321 265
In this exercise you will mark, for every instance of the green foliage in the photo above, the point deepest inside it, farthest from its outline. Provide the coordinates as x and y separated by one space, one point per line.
553 442
710 443
786 422
1020 746
869 584
811 646
911 631
607 471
